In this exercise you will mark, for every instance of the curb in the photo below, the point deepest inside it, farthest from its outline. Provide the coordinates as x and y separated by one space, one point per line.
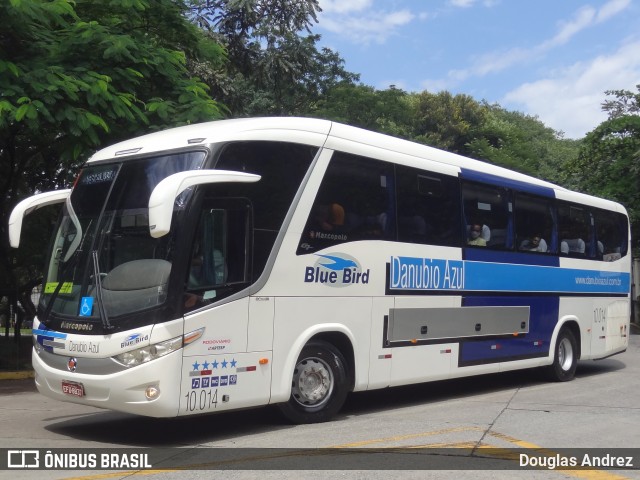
17 375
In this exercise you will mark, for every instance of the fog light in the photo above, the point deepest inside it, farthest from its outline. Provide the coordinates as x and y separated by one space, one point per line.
152 392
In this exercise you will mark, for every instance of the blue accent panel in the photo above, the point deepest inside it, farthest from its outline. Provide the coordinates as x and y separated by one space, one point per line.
506 182
483 254
49 333
542 320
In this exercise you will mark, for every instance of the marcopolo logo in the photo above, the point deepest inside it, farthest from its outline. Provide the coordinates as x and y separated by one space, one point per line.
336 270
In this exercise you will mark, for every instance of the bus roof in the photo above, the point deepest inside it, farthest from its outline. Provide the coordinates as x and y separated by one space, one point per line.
323 133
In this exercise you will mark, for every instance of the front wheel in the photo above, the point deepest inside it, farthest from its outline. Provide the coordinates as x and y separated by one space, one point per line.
319 385
565 359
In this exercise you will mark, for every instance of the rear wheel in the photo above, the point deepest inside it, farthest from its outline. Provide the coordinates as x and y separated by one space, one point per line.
565 358
319 385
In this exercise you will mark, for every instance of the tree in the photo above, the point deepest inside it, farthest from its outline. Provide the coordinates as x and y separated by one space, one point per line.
626 103
386 111
608 165
273 68
521 142
447 121
74 76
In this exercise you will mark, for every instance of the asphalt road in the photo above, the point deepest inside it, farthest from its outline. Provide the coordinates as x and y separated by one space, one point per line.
477 420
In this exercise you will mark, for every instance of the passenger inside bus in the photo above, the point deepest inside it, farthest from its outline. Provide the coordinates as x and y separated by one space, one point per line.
478 234
534 244
328 217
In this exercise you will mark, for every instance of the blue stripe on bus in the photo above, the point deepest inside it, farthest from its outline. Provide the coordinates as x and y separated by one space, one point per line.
440 275
49 333
486 178
496 277
520 258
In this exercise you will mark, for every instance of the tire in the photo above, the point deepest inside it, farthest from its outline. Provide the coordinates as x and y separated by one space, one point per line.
319 385
565 358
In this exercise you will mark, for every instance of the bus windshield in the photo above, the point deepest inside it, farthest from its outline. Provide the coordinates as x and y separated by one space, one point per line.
103 262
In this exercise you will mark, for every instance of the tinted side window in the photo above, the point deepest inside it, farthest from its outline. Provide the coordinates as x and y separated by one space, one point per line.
355 202
488 218
611 235
428 207
282 167
574 224
534 224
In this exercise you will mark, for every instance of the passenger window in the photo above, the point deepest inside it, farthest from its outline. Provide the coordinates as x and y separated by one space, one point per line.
488 216
354 202
574 223
534 224
611 235
428 207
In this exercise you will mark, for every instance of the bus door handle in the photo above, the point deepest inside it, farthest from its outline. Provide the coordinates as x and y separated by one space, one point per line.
478 327
423 330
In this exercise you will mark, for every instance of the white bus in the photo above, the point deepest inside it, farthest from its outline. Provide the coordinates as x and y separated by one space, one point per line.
290 261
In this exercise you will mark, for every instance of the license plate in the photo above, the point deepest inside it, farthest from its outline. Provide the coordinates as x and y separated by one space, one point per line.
73 388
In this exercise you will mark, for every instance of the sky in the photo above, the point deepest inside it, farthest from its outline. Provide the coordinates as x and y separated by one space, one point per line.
552 59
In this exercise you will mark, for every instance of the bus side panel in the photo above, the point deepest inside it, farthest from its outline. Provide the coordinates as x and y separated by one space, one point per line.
419 363
604 325
217 371
543 317
212 383
298 319
380 358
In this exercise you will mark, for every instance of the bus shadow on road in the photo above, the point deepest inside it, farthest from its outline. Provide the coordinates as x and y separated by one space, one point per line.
362 403
121 429
130 430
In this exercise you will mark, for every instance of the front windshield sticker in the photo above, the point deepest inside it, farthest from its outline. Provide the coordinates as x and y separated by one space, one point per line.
66 287
98 176
86 307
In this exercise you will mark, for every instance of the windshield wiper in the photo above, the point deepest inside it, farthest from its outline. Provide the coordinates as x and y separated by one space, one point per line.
96 276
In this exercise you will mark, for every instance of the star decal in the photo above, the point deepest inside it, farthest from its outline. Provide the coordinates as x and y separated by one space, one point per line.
205 365
224 363
215 364
196 366
233 363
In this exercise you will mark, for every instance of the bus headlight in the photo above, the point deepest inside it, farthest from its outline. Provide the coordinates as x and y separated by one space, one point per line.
142 355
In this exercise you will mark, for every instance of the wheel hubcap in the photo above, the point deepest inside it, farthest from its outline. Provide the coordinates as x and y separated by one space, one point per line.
312 382
565 354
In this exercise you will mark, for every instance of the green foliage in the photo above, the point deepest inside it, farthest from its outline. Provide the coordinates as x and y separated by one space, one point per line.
626 103
521 142
446 121
275 66
387 111
455 123
609 164
76 75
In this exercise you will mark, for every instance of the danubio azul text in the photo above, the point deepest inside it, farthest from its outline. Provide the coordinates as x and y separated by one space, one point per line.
409 273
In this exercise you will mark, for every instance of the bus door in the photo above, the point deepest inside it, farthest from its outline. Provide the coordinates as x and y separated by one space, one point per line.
218 373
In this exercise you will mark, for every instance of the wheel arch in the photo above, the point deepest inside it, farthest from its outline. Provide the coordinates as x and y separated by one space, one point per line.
336 334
